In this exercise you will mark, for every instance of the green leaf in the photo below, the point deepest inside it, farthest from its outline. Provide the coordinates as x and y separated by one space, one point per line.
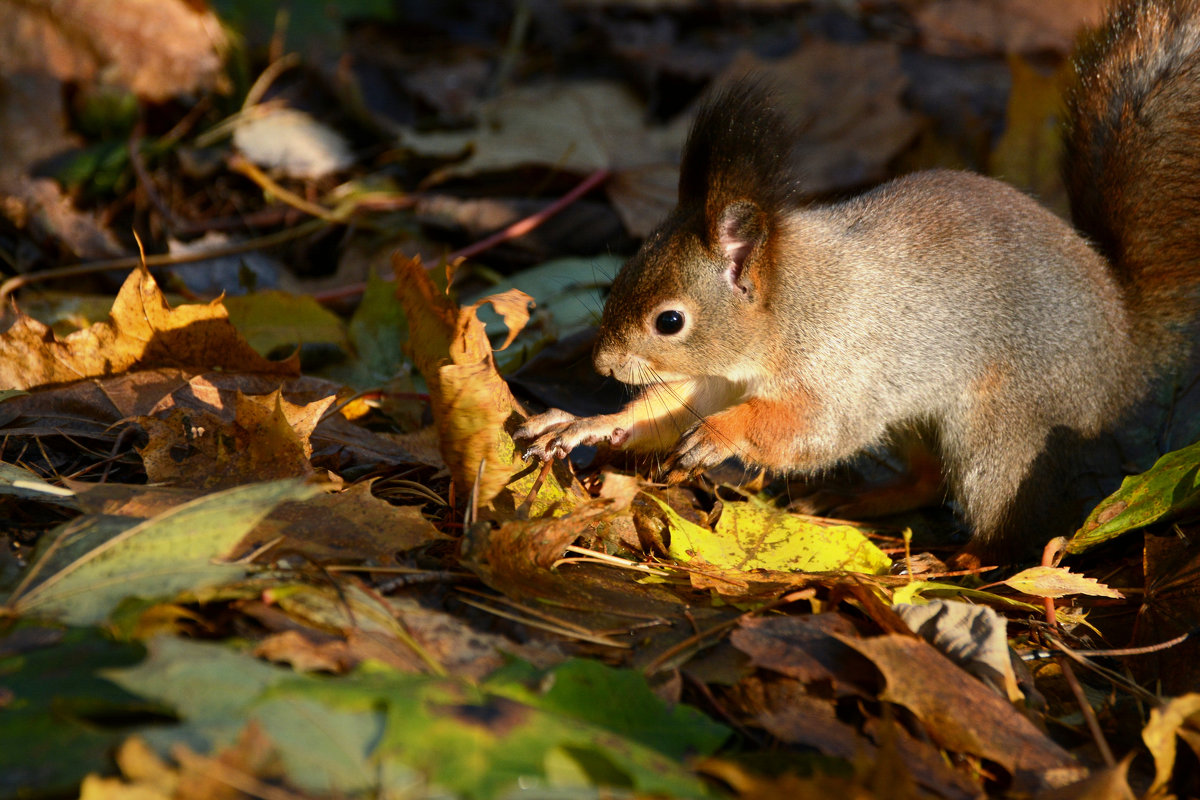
383 731
378 330
93 563
217 690
1166 490
311 25
571 290
61 720
755 535
274 320
621 702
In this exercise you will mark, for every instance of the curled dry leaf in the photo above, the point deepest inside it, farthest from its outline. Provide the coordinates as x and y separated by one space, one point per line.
471 402
142 331
936 691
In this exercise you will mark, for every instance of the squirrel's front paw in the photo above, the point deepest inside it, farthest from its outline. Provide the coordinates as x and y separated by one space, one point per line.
700 448
556 433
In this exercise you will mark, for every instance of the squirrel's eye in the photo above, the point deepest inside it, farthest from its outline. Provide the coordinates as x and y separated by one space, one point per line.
669 322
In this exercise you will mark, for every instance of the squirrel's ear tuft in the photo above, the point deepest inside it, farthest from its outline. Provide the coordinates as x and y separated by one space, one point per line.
739 229
740 148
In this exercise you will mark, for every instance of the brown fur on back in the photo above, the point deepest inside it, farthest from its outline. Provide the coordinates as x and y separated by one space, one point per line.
1132 161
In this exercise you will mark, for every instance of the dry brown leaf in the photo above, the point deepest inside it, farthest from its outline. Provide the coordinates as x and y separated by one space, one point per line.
351 526
805 648
929 685
471 402
156 48
268 439
86 412
304 654
142 331
32 130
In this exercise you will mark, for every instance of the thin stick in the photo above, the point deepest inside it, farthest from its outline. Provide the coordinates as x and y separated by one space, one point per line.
517 229
162 260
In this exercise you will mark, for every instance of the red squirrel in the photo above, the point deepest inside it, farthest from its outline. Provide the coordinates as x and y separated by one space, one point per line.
793 337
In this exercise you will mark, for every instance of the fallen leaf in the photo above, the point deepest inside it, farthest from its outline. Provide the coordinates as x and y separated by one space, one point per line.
975 27
1168 489
274 320
1057 582
92 563
292 142
472 405
156 48
1166 723
142 331
807 648
936 691
268 439
25 485
849 103
575 127
348 527
974 637
751 536
1029 152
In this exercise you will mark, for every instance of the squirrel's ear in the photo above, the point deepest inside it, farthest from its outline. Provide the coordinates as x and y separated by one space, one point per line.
739 228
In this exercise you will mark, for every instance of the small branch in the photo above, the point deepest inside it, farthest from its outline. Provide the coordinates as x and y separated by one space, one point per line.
517 229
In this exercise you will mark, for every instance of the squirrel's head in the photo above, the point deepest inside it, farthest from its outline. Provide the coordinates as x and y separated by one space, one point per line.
693 301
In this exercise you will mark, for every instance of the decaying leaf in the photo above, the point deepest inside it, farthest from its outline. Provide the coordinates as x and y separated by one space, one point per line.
929 685
142 331
962 27
848 101
268 439
1166 723
351 526
272 320
577 127
972 636
292 142
472 405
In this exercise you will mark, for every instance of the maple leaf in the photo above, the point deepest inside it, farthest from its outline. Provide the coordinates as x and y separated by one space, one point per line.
142 331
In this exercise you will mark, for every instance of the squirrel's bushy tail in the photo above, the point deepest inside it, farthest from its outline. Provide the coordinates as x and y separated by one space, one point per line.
1132 160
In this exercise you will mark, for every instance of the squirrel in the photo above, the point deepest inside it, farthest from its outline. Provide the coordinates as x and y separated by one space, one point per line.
794 336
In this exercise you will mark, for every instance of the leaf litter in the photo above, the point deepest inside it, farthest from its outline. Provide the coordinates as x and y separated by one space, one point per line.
263 543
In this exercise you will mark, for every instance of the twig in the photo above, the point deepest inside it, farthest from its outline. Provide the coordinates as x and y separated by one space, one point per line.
1085 707
162 260
546 626
517 229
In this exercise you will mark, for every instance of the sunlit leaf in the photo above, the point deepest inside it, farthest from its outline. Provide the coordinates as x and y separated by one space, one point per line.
142 331
752 536
1057 582
1169 488
95 562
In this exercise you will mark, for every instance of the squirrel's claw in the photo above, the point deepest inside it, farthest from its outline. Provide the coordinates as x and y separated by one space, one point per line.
556 433
699 449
